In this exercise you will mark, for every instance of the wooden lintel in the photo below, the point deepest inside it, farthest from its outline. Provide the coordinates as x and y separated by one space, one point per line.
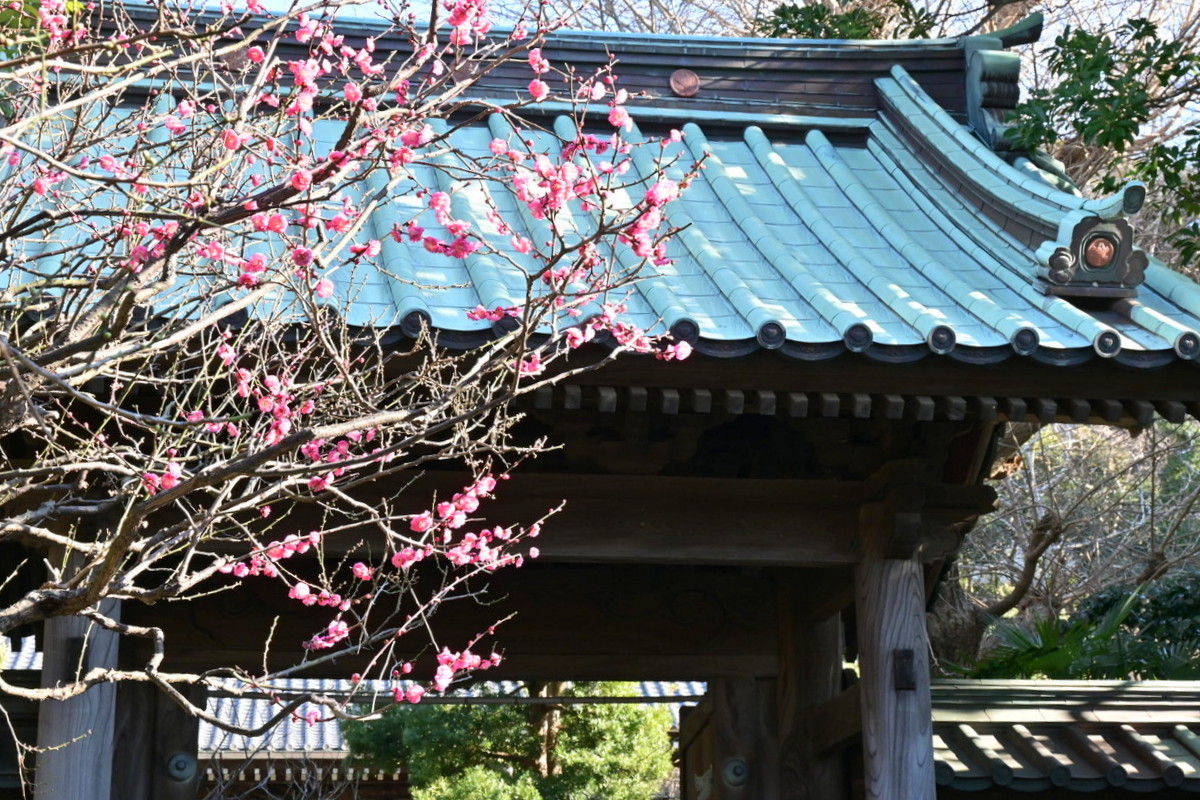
657 519
937 377
567 622
837 723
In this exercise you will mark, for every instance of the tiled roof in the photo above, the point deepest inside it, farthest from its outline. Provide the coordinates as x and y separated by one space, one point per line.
1081 736
845 208
898 235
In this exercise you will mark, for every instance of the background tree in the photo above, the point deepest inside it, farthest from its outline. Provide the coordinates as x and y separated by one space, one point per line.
189 202
1081 509
572 751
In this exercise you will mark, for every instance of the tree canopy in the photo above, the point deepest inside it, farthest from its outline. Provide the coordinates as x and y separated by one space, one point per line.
614 751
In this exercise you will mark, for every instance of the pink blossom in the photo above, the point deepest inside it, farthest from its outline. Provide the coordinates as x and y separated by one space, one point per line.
538 89
307 30
403 559
368 250
323 288
498 147
442 677
675 352
421 522
531 365
618 117
302 256
361 571
301 179
662 192
256 54
537 62
170 478
353 93
300 591
230 139
336 631
414 693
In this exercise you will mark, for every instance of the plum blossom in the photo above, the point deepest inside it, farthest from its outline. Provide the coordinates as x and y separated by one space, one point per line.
538 89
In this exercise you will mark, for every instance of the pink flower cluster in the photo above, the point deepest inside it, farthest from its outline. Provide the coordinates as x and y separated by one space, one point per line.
320 451
494 315
304 593
263 562
548 186
453 664
165 481
468 21
334 633
450 515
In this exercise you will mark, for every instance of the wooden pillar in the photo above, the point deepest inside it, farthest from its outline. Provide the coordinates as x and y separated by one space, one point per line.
745 748
75 736
810 677
155 745
897 719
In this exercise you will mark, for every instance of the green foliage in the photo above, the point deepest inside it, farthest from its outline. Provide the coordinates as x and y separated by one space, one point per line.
846 21
1164 617
1103 91
467 752
479 783
1151 633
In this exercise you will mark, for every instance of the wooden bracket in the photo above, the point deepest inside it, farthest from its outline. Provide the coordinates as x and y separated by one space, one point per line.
837 723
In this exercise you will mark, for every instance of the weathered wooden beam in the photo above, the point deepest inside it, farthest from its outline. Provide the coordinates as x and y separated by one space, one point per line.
810 675
797 404
1045 409
746 746
1015 378
660 519
569 622
1111 411
75 736
1142 412
894 665
1172 411
893 406
837 723
766 404
686 520
670 401
155 745
1015 408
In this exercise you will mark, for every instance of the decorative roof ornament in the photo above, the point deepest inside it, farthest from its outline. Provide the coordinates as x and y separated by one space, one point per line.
1098 260
1093 255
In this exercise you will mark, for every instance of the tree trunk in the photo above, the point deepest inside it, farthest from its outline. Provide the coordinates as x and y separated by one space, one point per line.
955 624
